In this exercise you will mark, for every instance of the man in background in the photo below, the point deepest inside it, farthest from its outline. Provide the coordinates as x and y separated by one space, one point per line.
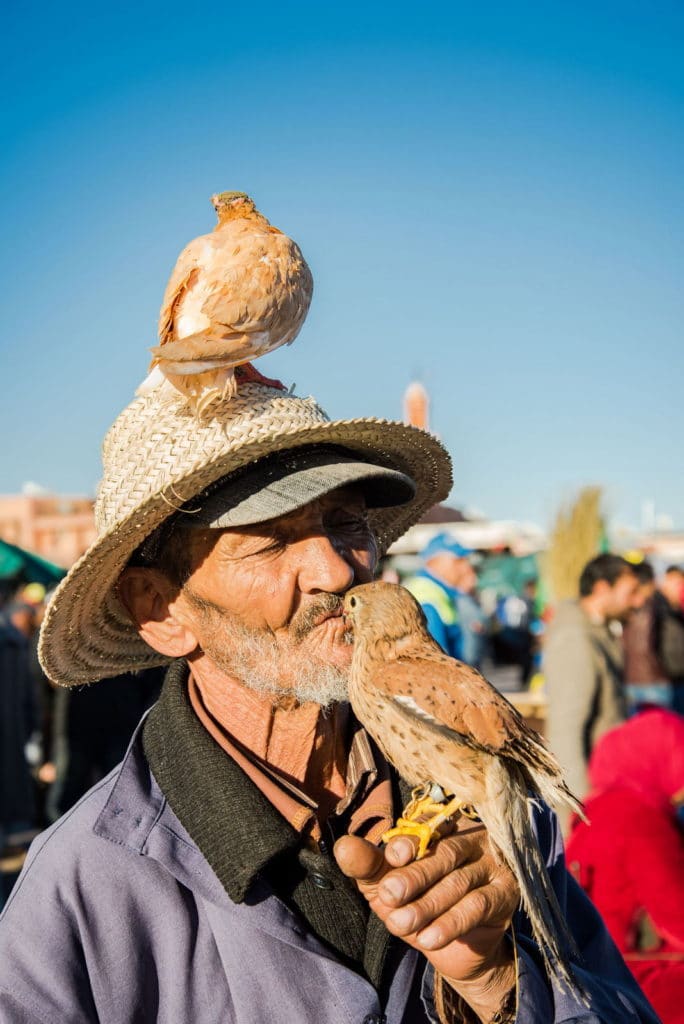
583 665
646 681
445 589
669 631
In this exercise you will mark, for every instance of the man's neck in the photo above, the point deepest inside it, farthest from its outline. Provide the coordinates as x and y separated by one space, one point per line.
299 741
593 609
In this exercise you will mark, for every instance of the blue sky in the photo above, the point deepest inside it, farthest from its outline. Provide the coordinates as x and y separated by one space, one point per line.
489 197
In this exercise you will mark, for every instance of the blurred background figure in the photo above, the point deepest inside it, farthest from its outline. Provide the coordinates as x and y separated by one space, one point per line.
583 666
93 726
646 680
18 722
514 630
669 627
672 586
630 858
445 587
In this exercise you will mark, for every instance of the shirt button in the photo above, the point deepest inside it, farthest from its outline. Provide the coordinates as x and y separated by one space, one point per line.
320 881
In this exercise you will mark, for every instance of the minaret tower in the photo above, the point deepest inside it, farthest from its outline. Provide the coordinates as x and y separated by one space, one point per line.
417 406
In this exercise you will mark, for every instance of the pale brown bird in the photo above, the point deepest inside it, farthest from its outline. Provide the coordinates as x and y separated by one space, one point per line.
234 294
444 727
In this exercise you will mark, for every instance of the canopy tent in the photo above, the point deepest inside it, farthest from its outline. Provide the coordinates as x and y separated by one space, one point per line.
507 574
24 567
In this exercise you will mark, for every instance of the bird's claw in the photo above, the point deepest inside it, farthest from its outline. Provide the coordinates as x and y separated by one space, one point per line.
422 829
435 814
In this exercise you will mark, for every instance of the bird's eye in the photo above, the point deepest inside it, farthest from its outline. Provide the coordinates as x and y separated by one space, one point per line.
352 602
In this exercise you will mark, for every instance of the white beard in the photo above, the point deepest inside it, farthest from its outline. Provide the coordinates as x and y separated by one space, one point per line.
256 659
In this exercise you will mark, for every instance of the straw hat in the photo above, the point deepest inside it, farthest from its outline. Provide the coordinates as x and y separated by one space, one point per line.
157 456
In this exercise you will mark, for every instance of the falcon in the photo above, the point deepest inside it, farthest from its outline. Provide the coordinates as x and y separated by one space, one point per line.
461 744
234 294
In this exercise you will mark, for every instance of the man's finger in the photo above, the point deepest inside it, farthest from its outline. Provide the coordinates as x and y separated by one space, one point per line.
401 850
486 907
414 878
360 860
437 900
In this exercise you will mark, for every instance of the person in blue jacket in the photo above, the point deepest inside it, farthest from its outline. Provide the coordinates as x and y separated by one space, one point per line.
444 587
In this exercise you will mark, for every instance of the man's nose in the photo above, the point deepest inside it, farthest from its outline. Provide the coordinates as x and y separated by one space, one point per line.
323 566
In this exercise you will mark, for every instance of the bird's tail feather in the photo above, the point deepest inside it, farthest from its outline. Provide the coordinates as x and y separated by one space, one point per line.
154 380
545 777
510 829
554 792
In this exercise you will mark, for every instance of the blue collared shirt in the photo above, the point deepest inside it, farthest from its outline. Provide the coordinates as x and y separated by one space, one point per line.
118 918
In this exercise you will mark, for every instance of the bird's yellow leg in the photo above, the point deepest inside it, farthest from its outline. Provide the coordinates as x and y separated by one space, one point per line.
407 825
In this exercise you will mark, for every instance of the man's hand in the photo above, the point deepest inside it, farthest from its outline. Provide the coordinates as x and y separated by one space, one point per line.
454 905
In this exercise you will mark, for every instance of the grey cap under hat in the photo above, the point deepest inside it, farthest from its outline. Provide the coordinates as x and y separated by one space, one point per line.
286 481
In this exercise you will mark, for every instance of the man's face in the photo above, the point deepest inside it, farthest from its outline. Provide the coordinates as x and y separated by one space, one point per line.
623 596
24 619
456 572
265 601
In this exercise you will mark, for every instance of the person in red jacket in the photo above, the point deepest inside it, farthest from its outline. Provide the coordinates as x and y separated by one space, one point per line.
630 858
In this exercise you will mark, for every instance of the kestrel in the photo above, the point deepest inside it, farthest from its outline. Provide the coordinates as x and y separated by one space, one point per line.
465 748
233 295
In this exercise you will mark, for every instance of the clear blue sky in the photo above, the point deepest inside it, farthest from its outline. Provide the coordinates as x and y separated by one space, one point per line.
489 196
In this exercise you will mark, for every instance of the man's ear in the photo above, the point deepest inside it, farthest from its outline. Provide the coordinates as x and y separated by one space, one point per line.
149 598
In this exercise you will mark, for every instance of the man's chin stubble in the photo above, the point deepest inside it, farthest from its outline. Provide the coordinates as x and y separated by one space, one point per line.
260 663
255 658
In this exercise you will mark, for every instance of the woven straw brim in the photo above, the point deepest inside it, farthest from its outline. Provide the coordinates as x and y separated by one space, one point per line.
158 455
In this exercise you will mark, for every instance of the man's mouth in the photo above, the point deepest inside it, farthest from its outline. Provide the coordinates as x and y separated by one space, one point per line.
325 616
327 607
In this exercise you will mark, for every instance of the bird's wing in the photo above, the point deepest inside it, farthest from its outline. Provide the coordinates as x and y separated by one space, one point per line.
222 349
453 695
183 276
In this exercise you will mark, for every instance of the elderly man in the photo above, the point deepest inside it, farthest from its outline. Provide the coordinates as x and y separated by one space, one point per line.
198 882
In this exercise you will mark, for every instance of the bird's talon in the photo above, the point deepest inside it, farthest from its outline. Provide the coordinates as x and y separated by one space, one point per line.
422 830
468 811
420 792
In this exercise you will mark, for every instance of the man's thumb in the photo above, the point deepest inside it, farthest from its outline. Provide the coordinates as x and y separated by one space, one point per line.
360 860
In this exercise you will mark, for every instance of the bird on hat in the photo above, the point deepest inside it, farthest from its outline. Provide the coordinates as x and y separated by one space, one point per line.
234 294
455 738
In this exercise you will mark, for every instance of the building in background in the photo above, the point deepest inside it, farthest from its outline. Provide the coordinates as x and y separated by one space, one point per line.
56 527
417 406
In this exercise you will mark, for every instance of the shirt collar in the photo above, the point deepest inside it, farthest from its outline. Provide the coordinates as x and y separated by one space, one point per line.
233 823
230 820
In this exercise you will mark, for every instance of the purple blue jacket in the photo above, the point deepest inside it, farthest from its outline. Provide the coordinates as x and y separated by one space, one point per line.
118 918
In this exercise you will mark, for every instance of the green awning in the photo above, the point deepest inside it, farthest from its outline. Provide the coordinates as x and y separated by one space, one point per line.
506 574
15 563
